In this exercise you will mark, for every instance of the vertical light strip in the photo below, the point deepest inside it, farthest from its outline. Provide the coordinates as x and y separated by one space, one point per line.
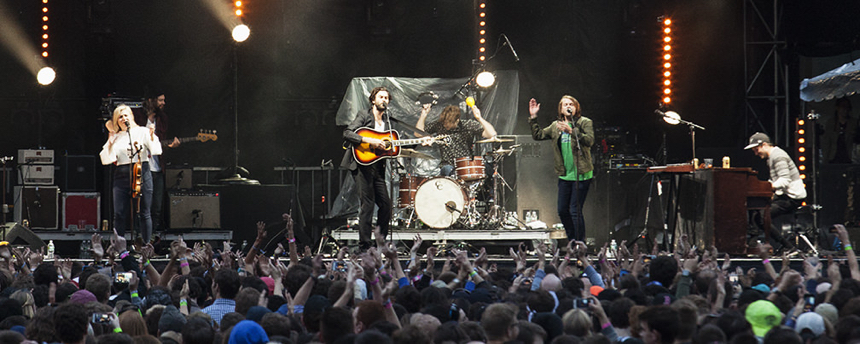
802 154
482 30
44 28
238 8
666 59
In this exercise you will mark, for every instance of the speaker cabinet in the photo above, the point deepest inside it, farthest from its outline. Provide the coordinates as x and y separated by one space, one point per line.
79 173
195 210
37 204
17 235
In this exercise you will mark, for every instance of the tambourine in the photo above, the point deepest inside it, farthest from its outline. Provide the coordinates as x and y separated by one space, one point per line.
427 98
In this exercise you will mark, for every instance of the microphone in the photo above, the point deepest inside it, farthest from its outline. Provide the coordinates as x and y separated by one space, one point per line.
126 123
452 207
516 57
570 111
661 113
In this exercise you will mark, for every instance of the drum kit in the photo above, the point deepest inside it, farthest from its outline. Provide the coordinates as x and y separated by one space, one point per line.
455 202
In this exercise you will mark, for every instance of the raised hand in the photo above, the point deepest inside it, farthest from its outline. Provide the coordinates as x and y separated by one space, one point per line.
416 244
118 242
534 107
261 232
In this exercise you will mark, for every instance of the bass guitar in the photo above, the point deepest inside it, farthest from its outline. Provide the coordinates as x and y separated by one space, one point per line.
365 155
202 136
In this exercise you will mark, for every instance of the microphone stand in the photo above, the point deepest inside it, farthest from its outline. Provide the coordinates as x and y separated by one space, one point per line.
691 125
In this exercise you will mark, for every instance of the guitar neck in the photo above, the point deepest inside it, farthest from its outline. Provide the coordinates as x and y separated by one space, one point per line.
188 139
407 142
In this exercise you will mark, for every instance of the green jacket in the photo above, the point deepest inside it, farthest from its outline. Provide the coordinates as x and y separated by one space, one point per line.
586 139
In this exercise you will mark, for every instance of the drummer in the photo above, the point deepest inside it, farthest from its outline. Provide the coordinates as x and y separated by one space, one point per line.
461 132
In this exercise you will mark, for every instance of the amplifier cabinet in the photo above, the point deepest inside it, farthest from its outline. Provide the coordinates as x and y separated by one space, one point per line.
37 204
195 210
81 211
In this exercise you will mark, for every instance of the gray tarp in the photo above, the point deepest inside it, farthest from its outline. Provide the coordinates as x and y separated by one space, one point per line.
837 83
498 105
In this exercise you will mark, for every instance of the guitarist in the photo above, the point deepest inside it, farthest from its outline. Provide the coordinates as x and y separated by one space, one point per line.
461 132
123 135
370 179
154 116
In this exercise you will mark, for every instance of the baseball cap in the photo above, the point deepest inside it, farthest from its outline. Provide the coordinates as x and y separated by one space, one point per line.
810 321
757 139
763 315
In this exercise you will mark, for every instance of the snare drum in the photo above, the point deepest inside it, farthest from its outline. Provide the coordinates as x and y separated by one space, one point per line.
470 168
439 202
408 187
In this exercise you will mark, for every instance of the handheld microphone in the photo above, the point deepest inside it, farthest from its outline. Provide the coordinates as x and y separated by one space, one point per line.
661 113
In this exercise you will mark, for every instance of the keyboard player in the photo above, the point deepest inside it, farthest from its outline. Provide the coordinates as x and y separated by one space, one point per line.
789 192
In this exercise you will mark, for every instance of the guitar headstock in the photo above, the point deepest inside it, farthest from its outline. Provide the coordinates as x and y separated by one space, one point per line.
206 135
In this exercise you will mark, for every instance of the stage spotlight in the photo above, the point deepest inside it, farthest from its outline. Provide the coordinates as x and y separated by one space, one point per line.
485 79
46 76
667 100
241 32
672 117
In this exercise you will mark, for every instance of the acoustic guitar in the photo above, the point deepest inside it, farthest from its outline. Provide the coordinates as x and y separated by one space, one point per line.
365 155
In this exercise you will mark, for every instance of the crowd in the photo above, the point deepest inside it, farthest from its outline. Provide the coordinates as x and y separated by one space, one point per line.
208 295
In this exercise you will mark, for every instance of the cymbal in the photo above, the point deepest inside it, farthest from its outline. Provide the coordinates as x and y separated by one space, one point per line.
494 139
503 151
411 153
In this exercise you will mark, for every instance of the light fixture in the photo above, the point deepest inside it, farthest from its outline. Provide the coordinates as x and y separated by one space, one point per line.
46 76
241 32
485 79
672 118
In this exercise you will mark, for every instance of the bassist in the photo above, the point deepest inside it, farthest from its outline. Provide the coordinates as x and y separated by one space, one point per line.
370 179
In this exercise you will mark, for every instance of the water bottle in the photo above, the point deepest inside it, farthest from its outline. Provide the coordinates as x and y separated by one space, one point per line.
51 250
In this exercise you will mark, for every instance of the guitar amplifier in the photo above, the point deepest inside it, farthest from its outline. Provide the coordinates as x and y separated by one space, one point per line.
38 205
36 174
35 156
195 210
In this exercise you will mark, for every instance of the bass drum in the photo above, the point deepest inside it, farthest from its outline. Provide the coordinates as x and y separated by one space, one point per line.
439 202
